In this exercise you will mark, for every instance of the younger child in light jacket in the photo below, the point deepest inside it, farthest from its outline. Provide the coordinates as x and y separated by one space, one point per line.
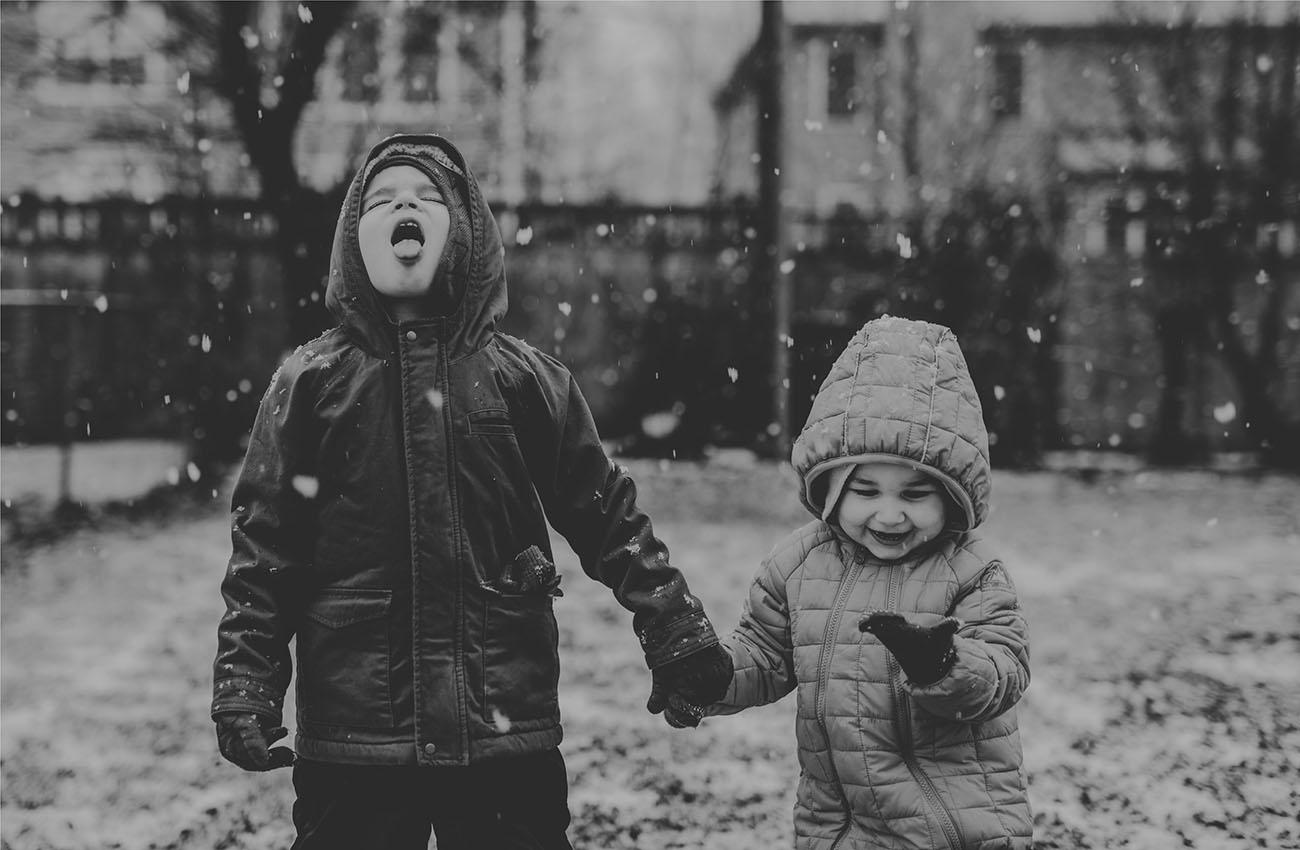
896 626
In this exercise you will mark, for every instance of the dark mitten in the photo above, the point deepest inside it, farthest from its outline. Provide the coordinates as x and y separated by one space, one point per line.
925 653
681 714
700 678
244 742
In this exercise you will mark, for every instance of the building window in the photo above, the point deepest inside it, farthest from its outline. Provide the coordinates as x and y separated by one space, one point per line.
842 81
117 70
1008 80
360 65
420 53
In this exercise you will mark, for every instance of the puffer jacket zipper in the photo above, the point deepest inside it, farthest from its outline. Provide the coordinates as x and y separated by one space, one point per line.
829 640
903 724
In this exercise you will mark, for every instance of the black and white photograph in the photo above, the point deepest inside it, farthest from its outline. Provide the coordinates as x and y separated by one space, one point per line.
621 424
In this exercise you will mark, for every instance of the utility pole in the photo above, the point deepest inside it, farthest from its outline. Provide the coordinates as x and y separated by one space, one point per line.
513 127
776 283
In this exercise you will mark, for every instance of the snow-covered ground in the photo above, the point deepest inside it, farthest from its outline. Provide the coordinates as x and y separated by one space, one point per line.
1164 610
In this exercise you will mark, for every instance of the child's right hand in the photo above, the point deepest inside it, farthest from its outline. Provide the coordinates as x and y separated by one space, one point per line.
245 743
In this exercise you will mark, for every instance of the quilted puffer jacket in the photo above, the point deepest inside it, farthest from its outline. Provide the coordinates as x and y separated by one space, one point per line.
887 764
394 474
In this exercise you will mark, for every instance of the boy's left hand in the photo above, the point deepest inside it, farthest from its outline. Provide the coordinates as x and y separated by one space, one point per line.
925 653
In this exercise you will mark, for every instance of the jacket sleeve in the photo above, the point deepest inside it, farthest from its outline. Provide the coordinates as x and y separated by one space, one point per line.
270 530
991 669
760 646
592 503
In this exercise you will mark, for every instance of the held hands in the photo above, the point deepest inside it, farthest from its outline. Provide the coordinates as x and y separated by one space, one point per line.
925 653
243 742
682 687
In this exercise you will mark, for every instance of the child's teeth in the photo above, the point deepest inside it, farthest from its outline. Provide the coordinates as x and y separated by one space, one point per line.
407 249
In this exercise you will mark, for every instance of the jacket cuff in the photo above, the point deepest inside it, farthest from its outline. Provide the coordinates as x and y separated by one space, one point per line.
678 639
247 696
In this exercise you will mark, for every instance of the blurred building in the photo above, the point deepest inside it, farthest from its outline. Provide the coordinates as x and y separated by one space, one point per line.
554 101
893 112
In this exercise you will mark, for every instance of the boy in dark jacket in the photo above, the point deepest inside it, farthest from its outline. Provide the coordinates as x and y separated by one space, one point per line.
391 514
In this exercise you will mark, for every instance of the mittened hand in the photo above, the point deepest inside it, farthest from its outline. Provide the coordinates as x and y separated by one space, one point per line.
697 679
681 714
925 653
245 743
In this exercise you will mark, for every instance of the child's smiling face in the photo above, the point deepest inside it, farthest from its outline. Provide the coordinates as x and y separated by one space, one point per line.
402 231
891 509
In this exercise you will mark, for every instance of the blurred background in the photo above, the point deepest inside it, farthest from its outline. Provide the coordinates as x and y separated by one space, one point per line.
701 202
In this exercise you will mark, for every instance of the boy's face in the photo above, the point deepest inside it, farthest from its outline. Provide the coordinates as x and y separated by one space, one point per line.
891 509
403 230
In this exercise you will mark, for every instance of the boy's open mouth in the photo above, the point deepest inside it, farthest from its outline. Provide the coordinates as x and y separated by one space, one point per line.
889 539
408 239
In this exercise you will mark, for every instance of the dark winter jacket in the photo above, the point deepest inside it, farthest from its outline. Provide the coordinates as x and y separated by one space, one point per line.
887 763
392 475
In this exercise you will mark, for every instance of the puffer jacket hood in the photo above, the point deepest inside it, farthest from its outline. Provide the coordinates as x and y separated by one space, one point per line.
899 391
472 268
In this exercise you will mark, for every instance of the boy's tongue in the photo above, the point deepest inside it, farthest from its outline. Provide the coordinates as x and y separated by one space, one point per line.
407 249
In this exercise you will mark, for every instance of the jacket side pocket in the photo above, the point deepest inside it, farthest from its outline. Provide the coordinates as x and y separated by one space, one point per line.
521 668
344 660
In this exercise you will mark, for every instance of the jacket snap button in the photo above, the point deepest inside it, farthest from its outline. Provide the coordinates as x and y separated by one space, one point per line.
410 335
430 749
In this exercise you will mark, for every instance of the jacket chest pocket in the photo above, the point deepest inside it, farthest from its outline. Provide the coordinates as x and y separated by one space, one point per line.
490 422
521 670
344 660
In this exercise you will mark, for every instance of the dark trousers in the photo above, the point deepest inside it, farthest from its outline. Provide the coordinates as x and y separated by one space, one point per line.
517 803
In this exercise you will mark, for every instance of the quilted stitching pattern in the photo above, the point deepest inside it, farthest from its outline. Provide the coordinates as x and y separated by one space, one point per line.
848 715
902 388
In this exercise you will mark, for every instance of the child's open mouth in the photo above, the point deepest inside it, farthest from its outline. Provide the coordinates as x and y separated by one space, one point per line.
408 240
889 539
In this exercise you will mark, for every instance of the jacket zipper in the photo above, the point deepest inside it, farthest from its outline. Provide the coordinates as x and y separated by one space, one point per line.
903 722
458 665
823 682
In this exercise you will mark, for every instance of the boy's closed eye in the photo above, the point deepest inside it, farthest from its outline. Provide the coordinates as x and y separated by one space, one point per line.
379 197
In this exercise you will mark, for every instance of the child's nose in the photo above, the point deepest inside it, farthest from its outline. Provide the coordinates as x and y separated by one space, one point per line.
890 512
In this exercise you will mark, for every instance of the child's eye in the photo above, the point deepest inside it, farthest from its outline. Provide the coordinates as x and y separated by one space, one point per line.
865 492
917 495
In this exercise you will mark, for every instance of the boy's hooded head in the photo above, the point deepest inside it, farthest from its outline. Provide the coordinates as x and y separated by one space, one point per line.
413 229
899 393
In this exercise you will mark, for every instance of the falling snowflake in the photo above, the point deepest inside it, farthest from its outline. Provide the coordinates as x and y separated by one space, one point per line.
565 308
1225 413
500 722
101 303
905 249
183 83
306 485
1035 335
999 393
304 14
733 373
435 398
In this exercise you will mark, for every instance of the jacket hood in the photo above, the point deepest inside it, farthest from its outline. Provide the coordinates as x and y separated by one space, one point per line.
899 392
471 271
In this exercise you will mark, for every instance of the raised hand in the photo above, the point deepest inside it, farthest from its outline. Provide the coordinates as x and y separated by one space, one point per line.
925 653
